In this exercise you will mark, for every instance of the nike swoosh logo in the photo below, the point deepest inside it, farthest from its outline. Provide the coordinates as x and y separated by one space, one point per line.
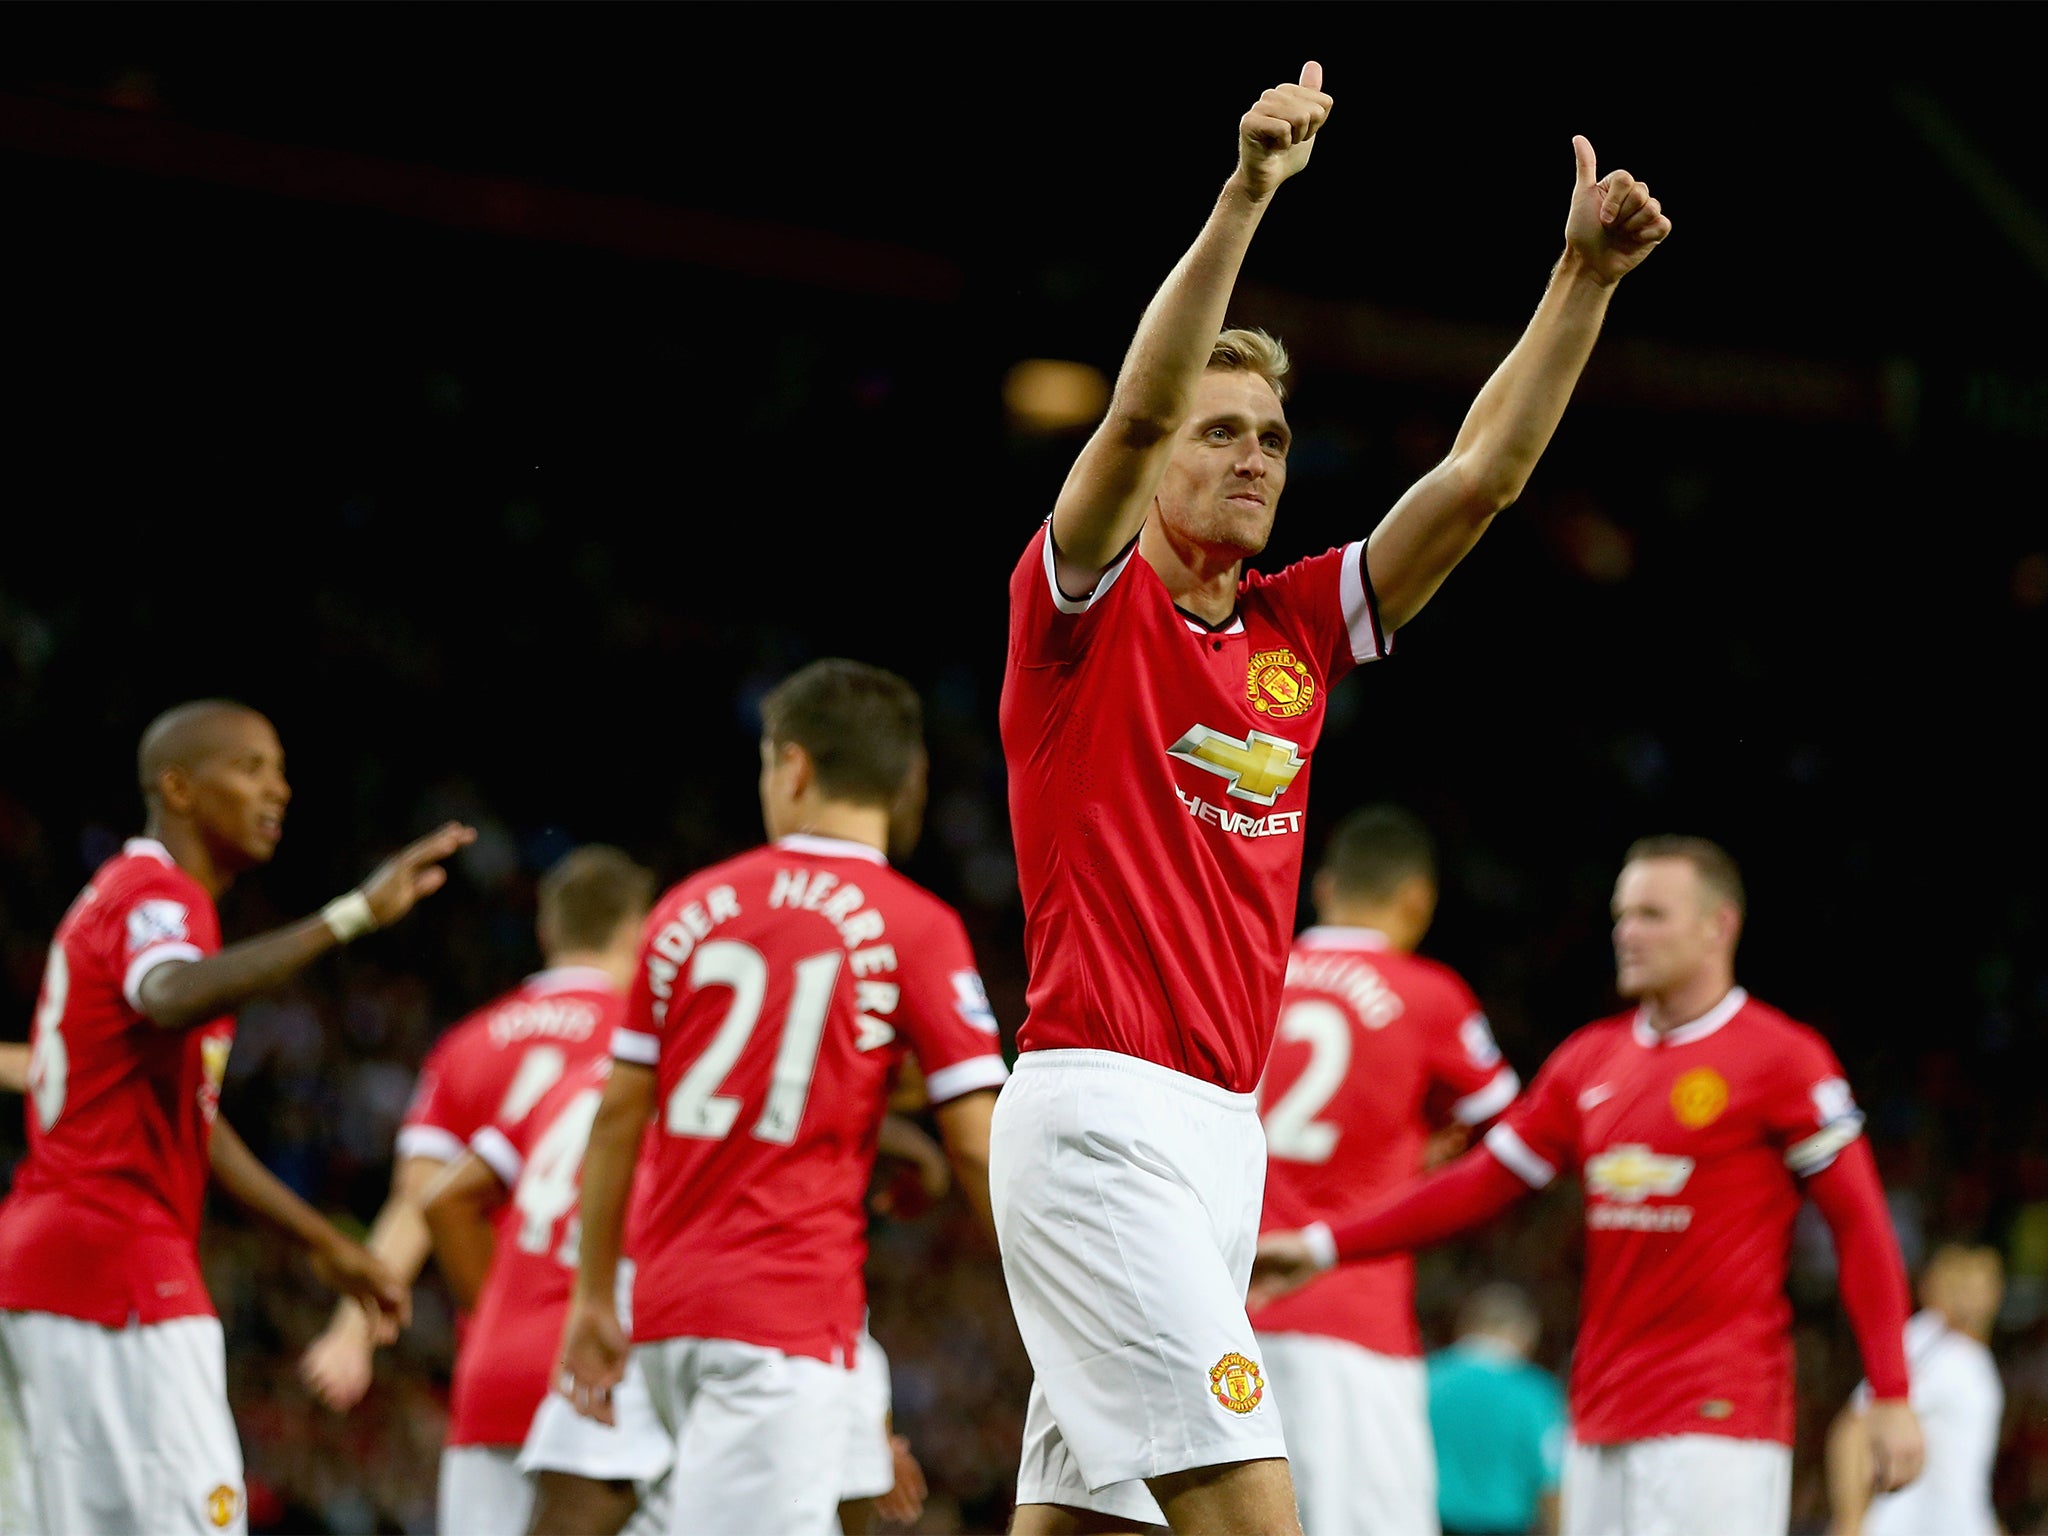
1597 1094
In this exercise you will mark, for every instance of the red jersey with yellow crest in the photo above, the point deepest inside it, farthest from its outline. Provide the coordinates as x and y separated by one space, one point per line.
1158 780
1690 1147
102 1223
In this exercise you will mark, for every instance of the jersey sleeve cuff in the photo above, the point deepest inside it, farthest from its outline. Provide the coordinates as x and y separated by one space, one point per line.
1489 1101
1515 1155
1808 1157
429 1141
149 960
965 1077
633 1046
492 1145
1361 608
1321 1243
1103 582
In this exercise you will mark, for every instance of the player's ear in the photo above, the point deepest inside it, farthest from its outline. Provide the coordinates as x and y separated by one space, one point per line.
1323 892
174 788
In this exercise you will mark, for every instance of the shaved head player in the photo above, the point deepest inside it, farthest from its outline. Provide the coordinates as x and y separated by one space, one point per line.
113 1374
1160 712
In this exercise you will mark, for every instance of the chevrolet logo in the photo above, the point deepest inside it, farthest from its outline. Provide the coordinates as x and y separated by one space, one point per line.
1630 1173
1259 768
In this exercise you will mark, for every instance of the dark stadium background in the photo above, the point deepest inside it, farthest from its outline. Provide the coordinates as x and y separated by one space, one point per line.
500 398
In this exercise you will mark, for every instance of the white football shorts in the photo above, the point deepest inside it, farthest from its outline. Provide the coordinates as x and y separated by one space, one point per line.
117 1429
759 1437
635 1448
1678 1485
870 1469
482 1492
1358 1436
1127 1201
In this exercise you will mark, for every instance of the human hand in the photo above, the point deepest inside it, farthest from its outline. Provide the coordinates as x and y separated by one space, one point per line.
413 872
1897 1449
1614 222
1445 1143
593 1361
1284 1262
353 1270
905 1501
338 1365
1275 138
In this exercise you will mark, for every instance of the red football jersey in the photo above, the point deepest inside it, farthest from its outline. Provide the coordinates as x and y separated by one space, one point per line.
496 1063
103 1220
776 995
1158 778
1375 1049
506 1364
1690 1148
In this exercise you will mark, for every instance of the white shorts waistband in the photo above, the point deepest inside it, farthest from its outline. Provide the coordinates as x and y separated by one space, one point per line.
1068 1059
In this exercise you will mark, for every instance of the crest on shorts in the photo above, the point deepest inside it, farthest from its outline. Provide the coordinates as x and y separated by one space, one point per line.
222 1505
1237 1383
1698 1097
1278 684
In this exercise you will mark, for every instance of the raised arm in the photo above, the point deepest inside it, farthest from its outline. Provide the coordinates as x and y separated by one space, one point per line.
594 1345
178 994
1109 490
1612 225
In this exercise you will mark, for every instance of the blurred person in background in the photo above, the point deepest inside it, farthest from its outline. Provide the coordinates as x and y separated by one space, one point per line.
1960 1399
1699 1122
490 1071
1161 708
113 1388
1497 1420
1377 1049
778 992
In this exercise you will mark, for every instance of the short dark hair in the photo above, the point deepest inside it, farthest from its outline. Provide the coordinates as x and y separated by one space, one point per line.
862 726
588 892
1715 866
1377 849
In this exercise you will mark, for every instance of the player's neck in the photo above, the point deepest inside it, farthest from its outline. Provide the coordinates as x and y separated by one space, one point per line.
866 824
618 966
1200 579
1400 932
189 851
1680 1005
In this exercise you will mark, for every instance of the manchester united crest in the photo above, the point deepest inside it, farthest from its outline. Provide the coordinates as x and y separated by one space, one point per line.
1279 685
1238 1383
222 1505
1698 1097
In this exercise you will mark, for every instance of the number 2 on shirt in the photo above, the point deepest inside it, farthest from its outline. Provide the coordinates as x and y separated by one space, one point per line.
696 1108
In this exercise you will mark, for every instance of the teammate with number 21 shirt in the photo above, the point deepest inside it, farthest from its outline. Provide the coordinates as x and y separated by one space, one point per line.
776 996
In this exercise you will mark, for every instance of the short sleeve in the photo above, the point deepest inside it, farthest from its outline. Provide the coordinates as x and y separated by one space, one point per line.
1049 626
434 1124
1539 1134
1331 599
944 1013
1809 1113
155 922
1465 1063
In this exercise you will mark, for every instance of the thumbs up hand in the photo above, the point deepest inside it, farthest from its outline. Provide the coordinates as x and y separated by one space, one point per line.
1614 222
1275 138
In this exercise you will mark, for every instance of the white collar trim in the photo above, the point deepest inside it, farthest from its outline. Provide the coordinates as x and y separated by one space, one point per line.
571 978
831 848
148 847
1695 1029
1333 936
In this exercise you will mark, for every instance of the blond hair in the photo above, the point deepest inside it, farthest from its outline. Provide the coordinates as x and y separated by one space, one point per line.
1250 350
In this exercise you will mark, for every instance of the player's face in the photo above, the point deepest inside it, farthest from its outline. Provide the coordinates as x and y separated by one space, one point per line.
239 792
1665 928
1229 464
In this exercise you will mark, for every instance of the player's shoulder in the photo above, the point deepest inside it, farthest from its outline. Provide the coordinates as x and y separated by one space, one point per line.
1591 1044
1783 1037
1439 981
143 864
1267 584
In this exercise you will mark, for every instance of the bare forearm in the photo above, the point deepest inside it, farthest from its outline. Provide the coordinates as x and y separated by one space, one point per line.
965 1126
14 1067
1517 410
1848 1474
181 994
254 1187
463 1242
608 1178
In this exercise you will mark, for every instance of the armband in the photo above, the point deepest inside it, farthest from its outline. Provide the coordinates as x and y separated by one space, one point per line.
348 917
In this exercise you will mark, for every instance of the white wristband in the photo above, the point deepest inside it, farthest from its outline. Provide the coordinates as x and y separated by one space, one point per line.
348 917
1321 1243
